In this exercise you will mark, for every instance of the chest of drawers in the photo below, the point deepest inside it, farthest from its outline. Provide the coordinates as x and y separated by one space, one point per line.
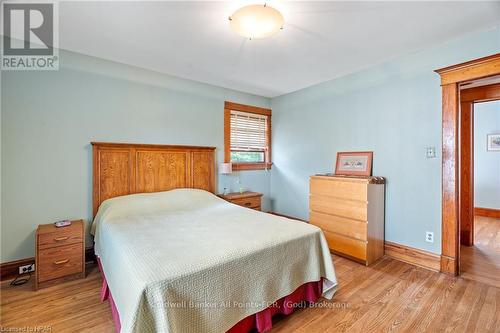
350 211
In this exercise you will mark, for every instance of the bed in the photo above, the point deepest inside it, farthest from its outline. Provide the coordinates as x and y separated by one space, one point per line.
176 258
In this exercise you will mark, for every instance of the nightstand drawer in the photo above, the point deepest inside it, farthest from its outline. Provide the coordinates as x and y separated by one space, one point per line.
59 261
64 237
253 202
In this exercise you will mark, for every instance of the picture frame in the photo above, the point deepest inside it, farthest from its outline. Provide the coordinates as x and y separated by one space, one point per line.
352 163
493 142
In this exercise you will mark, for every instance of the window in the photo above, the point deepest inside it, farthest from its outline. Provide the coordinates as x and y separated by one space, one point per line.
247 136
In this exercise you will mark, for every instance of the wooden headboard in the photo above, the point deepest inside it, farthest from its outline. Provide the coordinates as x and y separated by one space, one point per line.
122 168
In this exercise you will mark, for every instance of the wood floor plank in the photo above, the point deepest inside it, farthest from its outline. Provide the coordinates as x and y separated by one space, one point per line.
489 315
392 305
481 262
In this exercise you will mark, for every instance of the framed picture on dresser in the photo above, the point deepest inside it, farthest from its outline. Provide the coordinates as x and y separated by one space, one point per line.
354 163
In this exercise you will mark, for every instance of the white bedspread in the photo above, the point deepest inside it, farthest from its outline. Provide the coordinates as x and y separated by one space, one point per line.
188 261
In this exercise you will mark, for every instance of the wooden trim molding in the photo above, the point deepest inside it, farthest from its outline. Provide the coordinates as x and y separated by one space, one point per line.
228 106
247 108
90 255
289 217
487 212
399 252
449 265
450 164
451 77
468 98
470 70
480 94
413 256
466 208
10 269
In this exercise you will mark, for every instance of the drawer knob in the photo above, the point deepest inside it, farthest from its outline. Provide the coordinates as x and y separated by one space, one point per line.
60 262
58 239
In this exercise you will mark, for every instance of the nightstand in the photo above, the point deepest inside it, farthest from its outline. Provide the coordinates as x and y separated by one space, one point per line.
60 253
245 199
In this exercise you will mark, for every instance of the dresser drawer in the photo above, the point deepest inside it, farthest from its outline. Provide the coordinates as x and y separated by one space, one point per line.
62 237
356 210
340 225
59 261
253 202
345 190
345 245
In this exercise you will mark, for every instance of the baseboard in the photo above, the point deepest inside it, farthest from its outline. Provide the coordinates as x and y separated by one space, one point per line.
10 269
288 217
89 254
487 212
449 265
404 253
413 256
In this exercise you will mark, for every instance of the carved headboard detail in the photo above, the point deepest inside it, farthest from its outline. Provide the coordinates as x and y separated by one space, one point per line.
123 168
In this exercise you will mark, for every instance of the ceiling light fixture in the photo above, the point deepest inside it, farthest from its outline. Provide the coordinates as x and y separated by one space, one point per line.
256 21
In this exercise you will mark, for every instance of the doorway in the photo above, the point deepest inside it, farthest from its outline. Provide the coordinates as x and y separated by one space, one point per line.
453 199
479 181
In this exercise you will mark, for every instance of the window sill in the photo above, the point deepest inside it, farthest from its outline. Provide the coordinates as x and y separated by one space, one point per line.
251 166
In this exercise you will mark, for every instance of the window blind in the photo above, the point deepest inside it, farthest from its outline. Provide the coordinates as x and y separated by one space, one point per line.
248 131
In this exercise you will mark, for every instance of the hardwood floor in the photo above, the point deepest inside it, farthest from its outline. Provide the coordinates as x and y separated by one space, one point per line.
68 307
481 262
389 296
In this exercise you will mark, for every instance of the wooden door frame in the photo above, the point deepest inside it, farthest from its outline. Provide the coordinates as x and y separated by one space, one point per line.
468 98
451 78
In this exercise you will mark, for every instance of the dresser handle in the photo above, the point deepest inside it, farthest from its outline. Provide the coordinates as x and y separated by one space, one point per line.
60 262
248 203
57 239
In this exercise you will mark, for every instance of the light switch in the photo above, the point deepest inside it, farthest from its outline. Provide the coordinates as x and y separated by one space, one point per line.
431 152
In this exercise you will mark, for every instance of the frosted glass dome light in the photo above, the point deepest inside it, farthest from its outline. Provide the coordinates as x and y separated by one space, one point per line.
256 21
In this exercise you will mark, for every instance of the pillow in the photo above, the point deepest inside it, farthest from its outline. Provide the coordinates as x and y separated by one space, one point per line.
146 203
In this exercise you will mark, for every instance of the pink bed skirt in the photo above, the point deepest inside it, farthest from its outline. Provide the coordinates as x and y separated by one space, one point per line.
261 321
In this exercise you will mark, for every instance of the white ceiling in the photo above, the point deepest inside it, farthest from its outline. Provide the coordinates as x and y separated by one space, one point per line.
321 40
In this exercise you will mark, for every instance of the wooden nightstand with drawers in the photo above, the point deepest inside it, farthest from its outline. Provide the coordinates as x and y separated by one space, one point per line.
245 199
60 253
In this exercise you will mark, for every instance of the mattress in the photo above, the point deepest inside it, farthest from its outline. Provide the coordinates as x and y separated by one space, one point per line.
187 261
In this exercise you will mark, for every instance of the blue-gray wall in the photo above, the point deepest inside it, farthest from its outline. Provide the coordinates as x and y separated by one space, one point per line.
486 163
393 109
49 118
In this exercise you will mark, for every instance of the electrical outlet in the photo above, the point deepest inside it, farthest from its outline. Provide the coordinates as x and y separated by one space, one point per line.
429 237
26 268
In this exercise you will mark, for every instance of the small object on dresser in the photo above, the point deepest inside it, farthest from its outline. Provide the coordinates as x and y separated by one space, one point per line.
354 163
245 199
63 223
60 253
